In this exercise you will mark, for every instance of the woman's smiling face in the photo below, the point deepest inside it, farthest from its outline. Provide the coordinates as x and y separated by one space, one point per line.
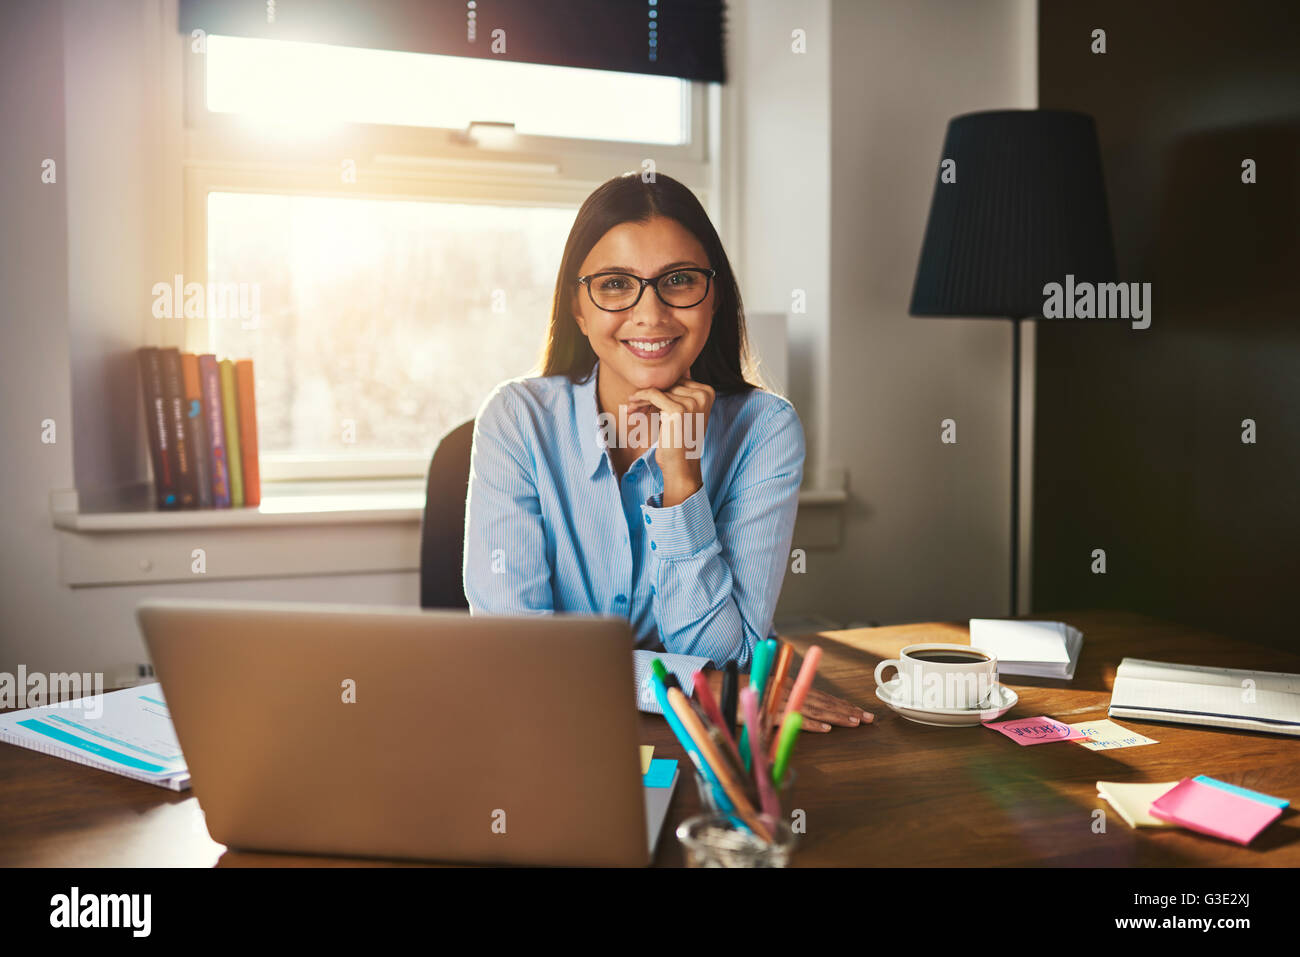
652 345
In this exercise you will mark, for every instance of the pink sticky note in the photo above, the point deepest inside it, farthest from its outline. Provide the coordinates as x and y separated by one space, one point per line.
1215 811
1038 730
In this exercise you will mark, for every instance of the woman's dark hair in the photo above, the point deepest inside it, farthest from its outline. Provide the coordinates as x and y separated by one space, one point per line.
627 198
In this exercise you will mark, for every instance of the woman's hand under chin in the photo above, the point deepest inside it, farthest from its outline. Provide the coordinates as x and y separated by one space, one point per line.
683 418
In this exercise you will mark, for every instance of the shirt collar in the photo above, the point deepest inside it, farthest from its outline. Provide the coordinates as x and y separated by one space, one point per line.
587 414
588 422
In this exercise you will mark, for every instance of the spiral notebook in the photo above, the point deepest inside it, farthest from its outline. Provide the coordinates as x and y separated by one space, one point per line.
125 732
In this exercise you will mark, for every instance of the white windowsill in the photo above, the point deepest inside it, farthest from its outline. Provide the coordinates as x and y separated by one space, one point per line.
300 528
283 503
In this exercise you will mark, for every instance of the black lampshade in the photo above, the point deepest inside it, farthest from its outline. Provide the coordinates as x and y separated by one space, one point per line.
1027 208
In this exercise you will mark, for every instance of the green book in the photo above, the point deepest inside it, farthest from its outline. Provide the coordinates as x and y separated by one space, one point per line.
230 412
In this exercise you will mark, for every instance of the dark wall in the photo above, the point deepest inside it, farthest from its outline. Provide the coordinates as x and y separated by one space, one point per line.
1138 444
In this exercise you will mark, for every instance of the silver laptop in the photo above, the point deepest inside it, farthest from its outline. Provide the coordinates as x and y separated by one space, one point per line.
400 733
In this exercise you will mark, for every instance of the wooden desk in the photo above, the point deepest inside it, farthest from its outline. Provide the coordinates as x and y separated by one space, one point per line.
889 794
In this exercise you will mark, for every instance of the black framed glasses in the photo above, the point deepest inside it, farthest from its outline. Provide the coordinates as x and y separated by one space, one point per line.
679 288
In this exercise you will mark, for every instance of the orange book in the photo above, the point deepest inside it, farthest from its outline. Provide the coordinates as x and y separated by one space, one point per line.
248 431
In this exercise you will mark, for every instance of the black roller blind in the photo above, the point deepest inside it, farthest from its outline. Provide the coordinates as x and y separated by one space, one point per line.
679 38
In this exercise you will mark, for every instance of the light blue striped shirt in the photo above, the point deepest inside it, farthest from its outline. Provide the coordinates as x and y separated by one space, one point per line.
549 527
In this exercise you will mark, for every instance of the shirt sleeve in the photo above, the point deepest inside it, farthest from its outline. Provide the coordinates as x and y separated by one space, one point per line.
717 572
505 571
683 666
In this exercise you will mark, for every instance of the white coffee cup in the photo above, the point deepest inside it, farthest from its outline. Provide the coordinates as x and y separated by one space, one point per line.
937 675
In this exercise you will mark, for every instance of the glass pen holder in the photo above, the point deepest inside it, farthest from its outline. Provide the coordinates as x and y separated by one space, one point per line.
719 838
715 840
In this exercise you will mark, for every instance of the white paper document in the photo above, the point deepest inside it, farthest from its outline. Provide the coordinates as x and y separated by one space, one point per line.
1217 697
1044 649
127 732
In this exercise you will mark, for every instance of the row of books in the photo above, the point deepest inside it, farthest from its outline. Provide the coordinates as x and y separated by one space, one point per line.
202 425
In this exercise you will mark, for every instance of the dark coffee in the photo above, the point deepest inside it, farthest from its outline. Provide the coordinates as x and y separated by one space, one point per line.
949 657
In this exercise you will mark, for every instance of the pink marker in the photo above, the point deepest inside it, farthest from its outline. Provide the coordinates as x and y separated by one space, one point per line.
766 793
807 671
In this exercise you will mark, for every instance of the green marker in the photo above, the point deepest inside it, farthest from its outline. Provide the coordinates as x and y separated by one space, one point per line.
784 746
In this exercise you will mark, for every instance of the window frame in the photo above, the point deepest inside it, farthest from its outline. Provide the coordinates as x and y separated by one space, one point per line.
221 154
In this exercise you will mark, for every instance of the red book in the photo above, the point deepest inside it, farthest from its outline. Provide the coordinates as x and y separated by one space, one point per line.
155 414
248 431
178 427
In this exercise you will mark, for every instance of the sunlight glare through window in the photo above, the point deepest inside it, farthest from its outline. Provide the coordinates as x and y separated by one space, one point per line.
315 84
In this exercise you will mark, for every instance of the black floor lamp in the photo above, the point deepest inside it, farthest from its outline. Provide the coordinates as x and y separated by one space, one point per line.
1019 202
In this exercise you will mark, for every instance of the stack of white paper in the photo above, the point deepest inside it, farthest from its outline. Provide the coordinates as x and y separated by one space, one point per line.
126 732
1044 649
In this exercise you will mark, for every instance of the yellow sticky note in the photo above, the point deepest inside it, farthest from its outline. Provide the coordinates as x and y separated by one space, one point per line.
647 752
1133 801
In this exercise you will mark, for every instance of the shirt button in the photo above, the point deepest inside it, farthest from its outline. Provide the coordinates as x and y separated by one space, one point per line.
653 546
647 519
620 599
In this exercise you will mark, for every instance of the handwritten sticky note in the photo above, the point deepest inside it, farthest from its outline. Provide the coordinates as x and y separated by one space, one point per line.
1242 792
1038 730
1212 810
647 752
1133 802
1106 735
660 774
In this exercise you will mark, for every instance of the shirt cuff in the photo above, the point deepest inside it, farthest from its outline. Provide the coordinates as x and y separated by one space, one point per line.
679 531
683 666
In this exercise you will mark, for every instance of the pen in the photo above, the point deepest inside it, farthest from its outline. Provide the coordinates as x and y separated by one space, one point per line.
723 745
711 757
789 734
728 753
685 739
769 661
730 685
807 672
757 678
710 705
766 793
768 711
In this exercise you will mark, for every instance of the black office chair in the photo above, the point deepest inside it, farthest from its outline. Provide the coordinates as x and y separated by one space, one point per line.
442 531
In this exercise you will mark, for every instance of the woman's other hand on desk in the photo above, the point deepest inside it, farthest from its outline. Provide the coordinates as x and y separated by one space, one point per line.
820 710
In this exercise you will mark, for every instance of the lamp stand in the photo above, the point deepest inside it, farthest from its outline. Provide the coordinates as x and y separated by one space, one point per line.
1015 464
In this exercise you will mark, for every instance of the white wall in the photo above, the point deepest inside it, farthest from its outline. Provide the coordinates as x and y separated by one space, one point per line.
840 210
780 188
79 256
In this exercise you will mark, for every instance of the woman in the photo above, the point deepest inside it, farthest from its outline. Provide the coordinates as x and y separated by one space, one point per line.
641 474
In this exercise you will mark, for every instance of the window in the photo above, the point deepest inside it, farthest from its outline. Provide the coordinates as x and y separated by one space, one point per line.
399 268
382 324
278 79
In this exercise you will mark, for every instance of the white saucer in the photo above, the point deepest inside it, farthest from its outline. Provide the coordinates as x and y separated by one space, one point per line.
1004 699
